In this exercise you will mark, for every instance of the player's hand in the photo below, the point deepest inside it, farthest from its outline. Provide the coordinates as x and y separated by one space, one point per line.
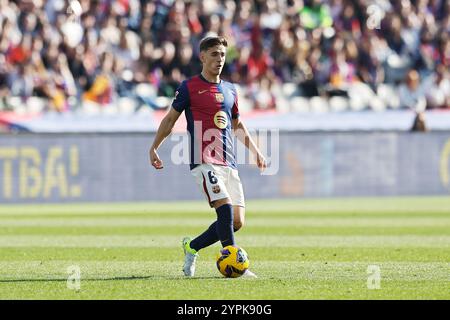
261 162
155 160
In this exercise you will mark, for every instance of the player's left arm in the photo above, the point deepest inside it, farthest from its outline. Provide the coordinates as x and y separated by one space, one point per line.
244 136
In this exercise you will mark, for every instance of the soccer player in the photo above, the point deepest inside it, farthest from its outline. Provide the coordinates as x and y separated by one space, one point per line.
211 109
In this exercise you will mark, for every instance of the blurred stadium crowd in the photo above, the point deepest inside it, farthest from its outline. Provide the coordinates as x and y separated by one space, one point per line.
294 55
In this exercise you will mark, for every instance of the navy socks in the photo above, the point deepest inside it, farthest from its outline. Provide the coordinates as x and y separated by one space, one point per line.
206 239
225 224
222 230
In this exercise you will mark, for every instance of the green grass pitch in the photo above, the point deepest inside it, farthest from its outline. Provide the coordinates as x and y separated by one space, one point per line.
300 249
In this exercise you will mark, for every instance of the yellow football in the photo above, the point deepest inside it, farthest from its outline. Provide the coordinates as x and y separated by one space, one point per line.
232 261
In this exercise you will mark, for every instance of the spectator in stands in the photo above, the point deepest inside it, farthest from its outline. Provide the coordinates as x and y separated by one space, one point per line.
183 62
394 37
428 52
21 81
258 64
60 84
438 91
193 21
348 21
316 44
444 45
412 94
316 14
370 69
164 69
101 91
20 53
4 85
243 23
342 69
262 95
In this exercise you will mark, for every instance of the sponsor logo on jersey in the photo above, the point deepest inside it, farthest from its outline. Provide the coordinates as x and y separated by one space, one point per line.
221 119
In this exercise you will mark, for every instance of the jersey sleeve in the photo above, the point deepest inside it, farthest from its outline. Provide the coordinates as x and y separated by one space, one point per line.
235 109
181 100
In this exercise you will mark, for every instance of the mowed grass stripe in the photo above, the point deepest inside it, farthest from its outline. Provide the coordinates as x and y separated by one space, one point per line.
186 215
214 288
293 230
410 205
96 270
272 241
300 250
61 221
256 253
211 287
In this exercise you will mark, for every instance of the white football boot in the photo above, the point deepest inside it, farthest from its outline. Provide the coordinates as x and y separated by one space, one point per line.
249 274
190 257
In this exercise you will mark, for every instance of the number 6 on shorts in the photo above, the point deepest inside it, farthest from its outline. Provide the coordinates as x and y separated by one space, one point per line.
212 177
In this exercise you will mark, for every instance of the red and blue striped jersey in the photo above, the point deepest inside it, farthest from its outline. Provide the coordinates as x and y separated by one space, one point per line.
209 109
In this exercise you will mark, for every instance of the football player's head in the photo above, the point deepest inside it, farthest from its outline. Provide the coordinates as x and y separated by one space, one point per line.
212 54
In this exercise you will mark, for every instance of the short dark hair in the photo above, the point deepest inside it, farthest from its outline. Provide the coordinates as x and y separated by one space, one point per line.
209 42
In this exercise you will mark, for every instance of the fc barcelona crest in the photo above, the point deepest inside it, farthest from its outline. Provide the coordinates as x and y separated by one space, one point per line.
216 189
219 97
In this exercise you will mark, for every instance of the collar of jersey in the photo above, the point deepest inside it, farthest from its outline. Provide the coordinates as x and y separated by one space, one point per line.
204 79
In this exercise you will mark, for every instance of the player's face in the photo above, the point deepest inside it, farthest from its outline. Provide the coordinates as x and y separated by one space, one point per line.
213 59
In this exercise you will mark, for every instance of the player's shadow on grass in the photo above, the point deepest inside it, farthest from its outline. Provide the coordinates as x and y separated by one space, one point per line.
153 277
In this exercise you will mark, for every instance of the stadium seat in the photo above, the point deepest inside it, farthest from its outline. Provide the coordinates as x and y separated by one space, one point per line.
281 101
361 91
377 104
245 105
36 104
110 110
145 90
357 104
163 102
319 105
282 104
338 104
126 105
17 105
90 108
144 111
389 94
300 104
290 89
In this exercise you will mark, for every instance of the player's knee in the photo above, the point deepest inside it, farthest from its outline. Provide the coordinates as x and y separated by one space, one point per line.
218 203
237 224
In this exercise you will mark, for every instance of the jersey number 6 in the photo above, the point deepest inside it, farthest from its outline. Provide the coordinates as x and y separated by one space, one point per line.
212 177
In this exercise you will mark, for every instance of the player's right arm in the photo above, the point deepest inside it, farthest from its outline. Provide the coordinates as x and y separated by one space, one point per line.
180 102
165 128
